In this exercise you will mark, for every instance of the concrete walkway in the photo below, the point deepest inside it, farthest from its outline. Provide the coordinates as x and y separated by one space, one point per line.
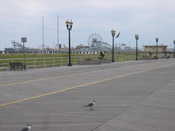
133 96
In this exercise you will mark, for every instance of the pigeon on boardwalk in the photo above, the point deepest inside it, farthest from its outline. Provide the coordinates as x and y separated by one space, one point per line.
91 104
27 128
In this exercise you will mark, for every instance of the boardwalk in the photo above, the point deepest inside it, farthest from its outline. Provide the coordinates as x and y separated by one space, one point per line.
131 96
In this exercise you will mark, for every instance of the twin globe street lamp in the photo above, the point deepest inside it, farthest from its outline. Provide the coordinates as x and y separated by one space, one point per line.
137 38
23 41
113 33
157 40
69 25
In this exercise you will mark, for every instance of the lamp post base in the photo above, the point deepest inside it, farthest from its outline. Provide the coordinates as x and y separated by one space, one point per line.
69 64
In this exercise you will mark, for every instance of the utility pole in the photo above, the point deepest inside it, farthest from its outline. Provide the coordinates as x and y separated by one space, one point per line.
43 39
58 40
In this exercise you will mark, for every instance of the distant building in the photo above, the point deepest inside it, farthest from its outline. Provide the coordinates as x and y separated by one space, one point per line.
153 48
20 50
128 49
81 47
150 50
9 50
94 47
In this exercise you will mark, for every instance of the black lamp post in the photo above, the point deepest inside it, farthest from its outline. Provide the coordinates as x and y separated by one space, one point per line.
113 33
137 38
157 40
24 40
174 48
69 25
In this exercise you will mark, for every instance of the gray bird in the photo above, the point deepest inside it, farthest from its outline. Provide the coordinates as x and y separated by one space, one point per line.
27 128
91 104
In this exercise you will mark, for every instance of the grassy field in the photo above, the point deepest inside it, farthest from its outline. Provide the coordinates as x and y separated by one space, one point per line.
50 60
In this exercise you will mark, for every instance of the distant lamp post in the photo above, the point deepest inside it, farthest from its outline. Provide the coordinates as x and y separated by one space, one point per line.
69 25
137 38
23 41
174 48
157 46
113 33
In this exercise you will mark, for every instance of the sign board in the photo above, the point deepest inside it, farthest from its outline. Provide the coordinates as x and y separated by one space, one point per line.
59 46
23 39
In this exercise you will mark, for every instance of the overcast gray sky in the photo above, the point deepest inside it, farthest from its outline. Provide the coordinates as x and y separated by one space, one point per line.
148 18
